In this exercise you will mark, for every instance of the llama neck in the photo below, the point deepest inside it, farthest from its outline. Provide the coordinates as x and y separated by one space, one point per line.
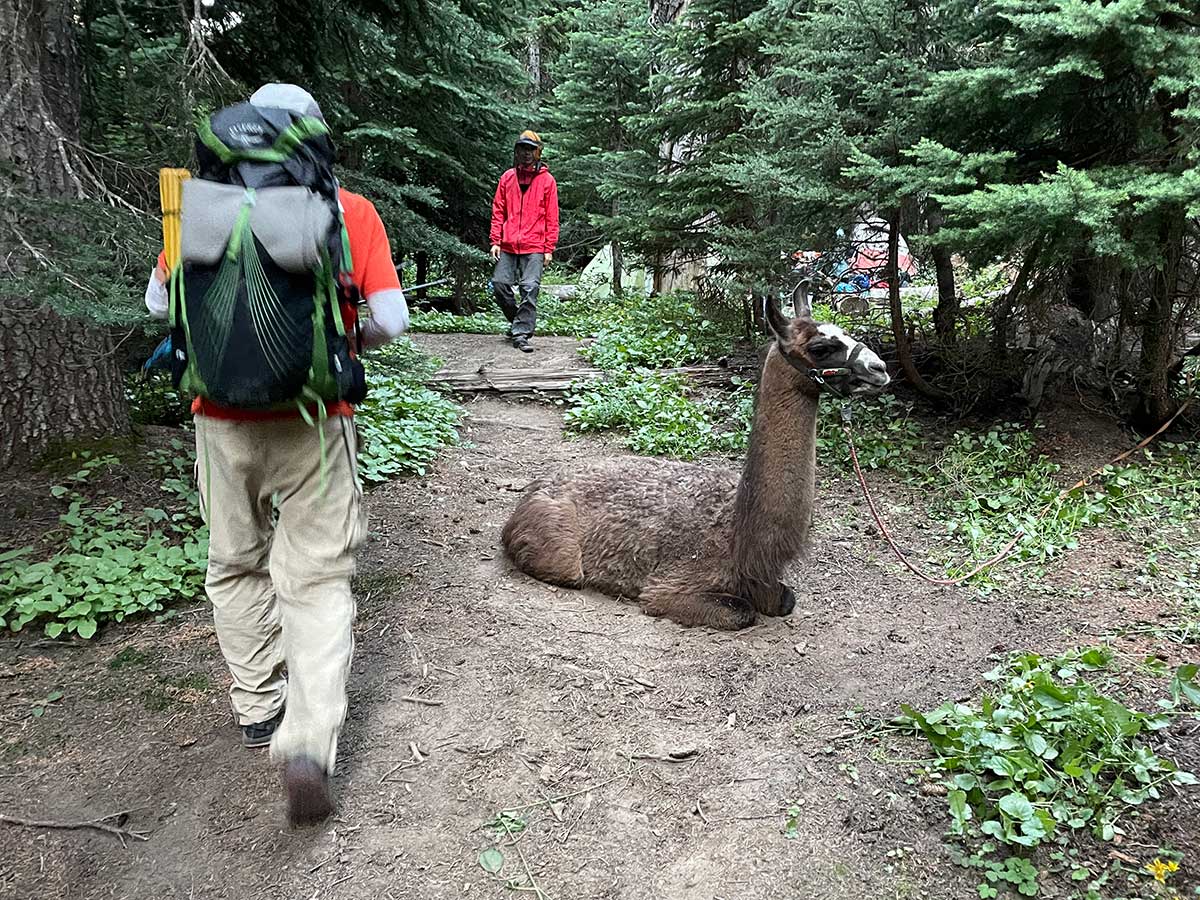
774 500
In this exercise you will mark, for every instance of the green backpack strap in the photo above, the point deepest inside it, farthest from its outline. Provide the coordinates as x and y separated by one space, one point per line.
282 150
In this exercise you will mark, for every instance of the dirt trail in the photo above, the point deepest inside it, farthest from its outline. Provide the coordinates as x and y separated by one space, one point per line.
567 707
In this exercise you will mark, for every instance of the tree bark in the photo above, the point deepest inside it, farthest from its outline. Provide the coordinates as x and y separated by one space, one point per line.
1007 304
533 56
664 11
1158 331
39 81
60 380
903 344
618 270
422 275
945 315
460 270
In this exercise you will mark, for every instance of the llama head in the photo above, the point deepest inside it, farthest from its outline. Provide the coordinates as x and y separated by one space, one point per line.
824 352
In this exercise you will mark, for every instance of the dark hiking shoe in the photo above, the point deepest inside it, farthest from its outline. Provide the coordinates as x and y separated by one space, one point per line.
522 344
259 734
309 800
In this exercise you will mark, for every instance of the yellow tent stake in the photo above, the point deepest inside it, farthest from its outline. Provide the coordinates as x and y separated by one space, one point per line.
170 193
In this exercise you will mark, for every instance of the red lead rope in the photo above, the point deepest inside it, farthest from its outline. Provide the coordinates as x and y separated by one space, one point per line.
1008 548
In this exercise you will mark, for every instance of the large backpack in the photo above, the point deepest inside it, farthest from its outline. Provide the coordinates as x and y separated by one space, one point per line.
255 302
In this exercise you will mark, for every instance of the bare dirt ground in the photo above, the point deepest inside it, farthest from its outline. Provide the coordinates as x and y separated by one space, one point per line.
642 759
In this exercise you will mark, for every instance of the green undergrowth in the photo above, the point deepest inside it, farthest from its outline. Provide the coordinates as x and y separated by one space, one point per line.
153 400
579 317
1044 755
632 330
987 485
107 560
436 322
655 412
658 332
403 424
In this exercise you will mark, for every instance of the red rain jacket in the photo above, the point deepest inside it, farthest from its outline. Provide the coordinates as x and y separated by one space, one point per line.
525 222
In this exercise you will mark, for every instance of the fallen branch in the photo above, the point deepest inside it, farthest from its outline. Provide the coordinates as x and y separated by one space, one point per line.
95 824
554 381
422 701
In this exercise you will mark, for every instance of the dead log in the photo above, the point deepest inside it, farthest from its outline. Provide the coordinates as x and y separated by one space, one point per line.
496 380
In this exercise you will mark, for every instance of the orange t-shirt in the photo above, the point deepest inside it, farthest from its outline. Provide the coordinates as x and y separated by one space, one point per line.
374 271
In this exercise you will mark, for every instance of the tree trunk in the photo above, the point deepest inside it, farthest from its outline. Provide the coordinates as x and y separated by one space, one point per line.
422 275
60 380
903 343
664 11
618 261
1003 311
533 56
946 312
460 271
39 81
1079 291
69 387
1158 332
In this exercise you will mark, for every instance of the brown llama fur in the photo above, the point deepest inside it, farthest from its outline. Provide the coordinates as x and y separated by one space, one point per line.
698 545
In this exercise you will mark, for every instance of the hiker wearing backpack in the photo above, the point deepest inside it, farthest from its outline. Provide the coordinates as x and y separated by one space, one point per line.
523 236
265 332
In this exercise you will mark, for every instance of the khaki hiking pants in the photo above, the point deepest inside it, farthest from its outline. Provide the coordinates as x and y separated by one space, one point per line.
280 583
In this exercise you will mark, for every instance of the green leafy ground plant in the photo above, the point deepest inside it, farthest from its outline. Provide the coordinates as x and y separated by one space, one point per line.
1043 754
107 561
402 423
579 317
111 562
656 415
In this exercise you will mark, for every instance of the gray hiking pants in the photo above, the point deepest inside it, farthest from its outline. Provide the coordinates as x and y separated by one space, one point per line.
523 271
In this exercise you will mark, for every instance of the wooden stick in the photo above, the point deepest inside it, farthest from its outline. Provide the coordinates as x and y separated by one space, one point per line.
96 824
423 701
170 195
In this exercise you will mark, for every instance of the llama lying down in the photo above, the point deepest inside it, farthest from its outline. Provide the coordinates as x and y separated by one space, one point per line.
699 546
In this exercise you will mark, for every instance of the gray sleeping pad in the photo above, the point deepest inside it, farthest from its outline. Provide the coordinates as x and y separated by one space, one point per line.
292 223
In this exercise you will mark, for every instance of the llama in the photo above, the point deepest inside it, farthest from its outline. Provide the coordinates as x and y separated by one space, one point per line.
700 546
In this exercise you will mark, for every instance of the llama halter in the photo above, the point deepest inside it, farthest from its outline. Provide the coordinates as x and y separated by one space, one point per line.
820 375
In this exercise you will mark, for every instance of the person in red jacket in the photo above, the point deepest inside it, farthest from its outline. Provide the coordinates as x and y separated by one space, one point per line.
523 235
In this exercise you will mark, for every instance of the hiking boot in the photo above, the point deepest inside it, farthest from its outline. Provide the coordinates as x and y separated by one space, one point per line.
309 800
259 734
522 344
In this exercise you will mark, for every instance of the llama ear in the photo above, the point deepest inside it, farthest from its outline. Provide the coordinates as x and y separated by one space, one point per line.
775 318
802 301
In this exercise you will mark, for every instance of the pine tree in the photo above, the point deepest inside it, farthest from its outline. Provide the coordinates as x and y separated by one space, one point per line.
1088 112
602 156
835 115
698 205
